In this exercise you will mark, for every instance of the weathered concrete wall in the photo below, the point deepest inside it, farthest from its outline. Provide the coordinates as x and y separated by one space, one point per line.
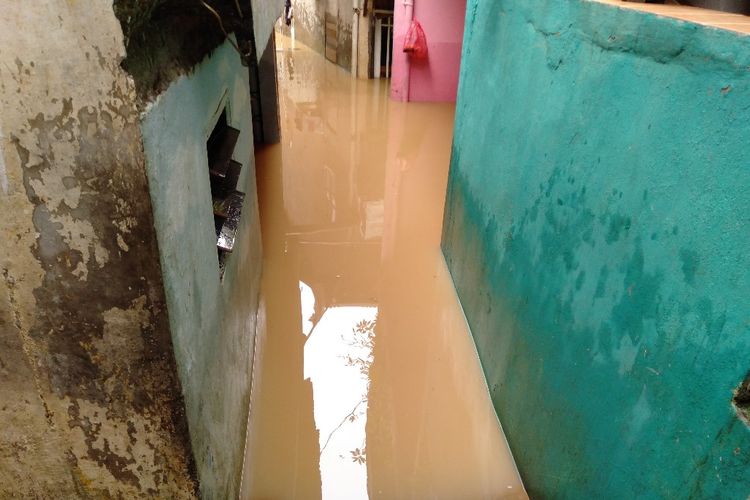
597 231
343 11
310 26
212 321
165 39
90 396
310 23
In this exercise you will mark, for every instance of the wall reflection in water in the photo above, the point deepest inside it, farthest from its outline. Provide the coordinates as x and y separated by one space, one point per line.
338 356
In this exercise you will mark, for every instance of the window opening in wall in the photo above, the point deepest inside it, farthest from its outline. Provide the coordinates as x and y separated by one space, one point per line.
224 172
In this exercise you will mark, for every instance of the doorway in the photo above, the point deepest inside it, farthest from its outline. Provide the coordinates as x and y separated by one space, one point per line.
382 52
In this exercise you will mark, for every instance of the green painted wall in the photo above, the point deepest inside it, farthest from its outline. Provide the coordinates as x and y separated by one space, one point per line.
265 14
212 321
597 228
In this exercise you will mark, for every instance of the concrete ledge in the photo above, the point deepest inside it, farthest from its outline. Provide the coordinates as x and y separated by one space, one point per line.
715 19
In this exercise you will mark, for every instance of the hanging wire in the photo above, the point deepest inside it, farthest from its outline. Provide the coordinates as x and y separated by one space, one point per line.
221 26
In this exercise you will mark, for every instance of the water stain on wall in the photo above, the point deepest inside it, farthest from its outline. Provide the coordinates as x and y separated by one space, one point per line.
97 410
596 248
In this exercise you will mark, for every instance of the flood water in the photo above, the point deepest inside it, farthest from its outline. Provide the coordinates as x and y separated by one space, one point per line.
366 383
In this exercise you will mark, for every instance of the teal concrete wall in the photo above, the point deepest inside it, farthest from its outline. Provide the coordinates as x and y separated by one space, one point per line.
597 228
265 14
212 320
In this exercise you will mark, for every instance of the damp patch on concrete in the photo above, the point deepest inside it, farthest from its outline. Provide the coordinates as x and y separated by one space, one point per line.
599 251
91 399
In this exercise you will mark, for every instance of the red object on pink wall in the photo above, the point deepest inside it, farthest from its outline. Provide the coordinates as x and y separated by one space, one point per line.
436 77
416 42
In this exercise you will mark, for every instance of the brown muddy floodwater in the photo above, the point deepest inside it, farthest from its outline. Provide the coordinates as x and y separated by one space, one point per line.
367 383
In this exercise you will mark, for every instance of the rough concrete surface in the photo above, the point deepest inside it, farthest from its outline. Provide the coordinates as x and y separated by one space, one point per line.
597 231
310 28
90 401
343 11
212 319
265 13
165 39
309 23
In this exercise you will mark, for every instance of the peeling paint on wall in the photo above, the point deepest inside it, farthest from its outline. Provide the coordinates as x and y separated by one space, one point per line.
91 401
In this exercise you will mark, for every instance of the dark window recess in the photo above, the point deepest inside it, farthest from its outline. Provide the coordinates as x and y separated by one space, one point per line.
741 400
224 173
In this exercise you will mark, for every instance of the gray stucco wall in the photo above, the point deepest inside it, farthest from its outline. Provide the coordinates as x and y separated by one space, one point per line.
212 321
91 403
309 23
310 26
343 10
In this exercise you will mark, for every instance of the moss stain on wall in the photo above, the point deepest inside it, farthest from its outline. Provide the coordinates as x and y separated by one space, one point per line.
91 399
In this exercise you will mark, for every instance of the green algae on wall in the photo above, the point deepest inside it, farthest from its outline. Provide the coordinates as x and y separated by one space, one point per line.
212 320
597 231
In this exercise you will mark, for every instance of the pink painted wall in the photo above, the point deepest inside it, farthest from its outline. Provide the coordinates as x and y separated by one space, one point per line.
436 78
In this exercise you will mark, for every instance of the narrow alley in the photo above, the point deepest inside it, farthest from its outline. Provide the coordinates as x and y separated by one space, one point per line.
367 383
375 249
